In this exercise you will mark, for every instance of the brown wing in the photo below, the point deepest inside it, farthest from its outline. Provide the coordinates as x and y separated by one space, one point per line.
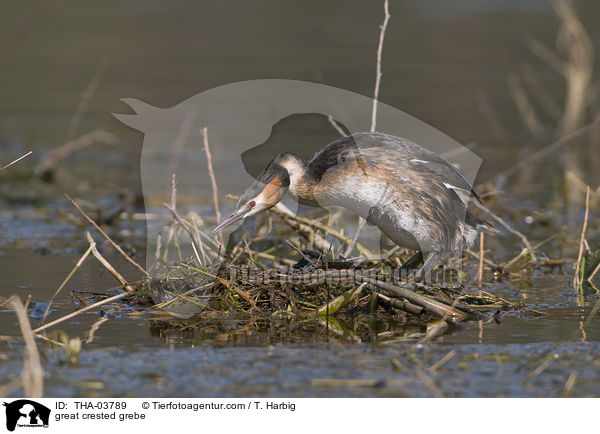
373 148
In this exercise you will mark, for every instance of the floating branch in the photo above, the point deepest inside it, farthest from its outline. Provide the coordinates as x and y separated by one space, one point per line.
577 279
47 165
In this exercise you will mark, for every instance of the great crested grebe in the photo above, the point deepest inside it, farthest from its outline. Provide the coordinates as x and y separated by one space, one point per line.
408 192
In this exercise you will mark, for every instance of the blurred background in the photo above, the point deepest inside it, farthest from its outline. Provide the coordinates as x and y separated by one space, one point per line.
472 69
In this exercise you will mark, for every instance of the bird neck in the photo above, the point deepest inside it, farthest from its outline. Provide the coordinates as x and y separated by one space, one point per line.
301 183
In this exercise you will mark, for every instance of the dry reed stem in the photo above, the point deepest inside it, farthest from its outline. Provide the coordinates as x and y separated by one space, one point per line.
282 210
336 126
570 383
107 264
181 296
210 240
184 225
383 28
249 251
437 329
548 149
186 228
597 269
581 186
340 382
486 261
173 191
92 331
547 55
428 382
576 278
112 270
244 295
447 312
361 223
525 250
170 234
272 257
341 301
115 245
547 101
32 376
508 228
491 118
47 339
199 240
583 333
300 252
15 161
88 95
575 42
437 365
543 365
213 180
82 310
64 282
332 323
481 252
180 142
401 304
303 228
593 273
526 110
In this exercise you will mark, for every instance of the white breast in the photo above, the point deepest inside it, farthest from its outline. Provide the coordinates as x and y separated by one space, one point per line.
361 195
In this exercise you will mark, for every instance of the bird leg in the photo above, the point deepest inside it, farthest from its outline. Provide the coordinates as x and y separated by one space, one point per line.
411 265
413 262
425 272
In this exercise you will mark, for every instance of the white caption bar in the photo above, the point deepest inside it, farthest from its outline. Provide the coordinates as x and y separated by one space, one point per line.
276 415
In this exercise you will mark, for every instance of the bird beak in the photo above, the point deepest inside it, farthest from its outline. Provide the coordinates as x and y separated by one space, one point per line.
233 217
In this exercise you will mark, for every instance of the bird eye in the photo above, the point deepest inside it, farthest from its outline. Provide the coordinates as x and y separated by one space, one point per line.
251 204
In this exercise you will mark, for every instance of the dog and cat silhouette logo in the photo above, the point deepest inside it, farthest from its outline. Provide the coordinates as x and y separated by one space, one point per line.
26 413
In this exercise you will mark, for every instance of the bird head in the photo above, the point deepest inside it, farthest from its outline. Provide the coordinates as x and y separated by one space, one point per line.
264 193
